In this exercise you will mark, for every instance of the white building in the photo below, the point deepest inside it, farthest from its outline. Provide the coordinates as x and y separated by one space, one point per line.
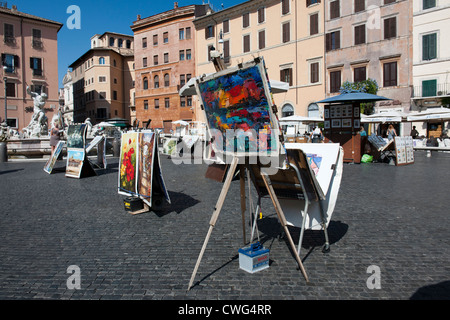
431 60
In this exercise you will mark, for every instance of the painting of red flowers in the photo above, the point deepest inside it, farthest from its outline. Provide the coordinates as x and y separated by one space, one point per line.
128 163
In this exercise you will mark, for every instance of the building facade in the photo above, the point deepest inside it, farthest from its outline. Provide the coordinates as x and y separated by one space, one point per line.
288 34
29 49
164 58
371 39
103 79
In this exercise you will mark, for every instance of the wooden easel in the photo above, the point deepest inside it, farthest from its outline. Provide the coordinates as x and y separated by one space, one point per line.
218 208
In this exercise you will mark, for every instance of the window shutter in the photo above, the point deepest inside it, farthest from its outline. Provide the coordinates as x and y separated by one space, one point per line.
337 40
328 42
16 61
425 46
432 46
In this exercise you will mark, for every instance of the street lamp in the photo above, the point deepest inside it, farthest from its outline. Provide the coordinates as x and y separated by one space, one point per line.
6 101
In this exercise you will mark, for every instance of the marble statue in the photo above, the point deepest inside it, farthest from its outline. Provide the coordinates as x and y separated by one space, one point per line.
38 126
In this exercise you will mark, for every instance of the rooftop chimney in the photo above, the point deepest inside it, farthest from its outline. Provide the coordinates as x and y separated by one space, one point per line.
139 17
175 5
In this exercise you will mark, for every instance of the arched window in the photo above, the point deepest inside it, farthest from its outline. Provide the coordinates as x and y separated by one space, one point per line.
313 110
145 83
101 60
120 43
156 81
287 110
166 80
111 41
128 44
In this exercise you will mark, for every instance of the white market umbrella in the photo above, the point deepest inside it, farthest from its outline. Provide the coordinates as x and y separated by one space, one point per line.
431 114
181 123
383 117
296 119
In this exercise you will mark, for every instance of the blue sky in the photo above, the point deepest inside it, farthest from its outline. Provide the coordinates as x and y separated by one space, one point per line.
98 16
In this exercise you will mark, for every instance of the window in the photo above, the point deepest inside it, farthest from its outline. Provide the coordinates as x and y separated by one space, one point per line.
210 47
389 1
313 111
360 34
181 34
286 76
101 60
390 28
188 54
182 80
128 44
155 60
335 81
182 102
261 39
166 80
333 40
427 4
101 113
429 88
246 43
166 37
209 32
11 62
114 95
36 66
314 77
144 62
145 83
10 89
390 74
182 55
311 2
286 32
111 41
245 20
145 104
188 33
144 42
360 5
285 6
226 26
166 57
37 41
287 110
334 9
261 15
120 43
156 103
8 35
155 39
429 46
226 51
156 81
101 79
314 24
189 101
167 103
359 74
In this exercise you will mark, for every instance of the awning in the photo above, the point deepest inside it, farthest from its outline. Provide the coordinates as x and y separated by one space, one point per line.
431 114
383 117
296 119
354 96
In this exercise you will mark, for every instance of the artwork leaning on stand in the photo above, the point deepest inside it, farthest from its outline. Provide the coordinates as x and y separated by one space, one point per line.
238 106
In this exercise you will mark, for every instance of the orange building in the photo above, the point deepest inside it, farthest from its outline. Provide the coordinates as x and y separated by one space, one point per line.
164 61
29 49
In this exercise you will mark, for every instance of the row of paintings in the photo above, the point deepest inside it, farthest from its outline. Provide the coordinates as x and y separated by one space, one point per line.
341 111
342 123
140 171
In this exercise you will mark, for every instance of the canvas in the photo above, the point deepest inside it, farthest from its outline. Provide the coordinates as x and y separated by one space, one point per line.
51 162
75 161
128 163
76 136
238 106
145 172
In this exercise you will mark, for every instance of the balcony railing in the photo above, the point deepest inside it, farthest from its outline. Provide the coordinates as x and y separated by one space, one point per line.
430 89
37 44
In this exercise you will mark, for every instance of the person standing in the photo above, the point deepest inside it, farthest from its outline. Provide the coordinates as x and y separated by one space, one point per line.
391 133
55 136
414 133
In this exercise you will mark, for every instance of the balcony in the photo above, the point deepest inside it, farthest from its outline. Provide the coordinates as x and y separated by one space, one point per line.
37 44
431 89
9 40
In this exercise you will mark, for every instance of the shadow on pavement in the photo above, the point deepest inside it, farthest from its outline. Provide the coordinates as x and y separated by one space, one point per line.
439 291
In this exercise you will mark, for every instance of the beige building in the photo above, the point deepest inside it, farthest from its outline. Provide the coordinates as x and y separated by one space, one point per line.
371 39
103 79
29 49
288 34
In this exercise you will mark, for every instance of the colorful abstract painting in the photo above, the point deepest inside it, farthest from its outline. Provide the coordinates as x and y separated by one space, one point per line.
239 102
128 163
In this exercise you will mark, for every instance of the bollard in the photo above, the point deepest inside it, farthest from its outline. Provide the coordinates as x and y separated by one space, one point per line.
116 147
3 152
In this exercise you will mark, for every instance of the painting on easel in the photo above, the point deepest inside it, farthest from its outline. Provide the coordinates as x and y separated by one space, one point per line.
238 105
128 164
146 155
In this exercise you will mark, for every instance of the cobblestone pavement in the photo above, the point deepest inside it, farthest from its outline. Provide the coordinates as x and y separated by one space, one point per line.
395 218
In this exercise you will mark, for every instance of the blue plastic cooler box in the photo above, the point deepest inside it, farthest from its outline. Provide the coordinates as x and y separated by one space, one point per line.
254 258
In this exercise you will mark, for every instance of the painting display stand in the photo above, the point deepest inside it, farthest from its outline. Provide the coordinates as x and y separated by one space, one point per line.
100 143
140 174
49 166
